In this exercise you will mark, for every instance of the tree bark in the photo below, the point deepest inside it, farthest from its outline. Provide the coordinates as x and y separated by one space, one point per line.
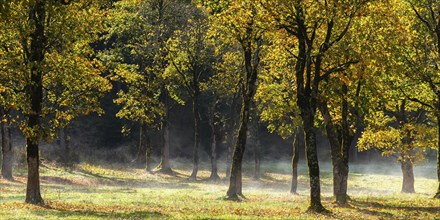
215 141
235 183
257 156
312 162
251 60
231 135
148 152
142 154
408 176
437 195
164 165
297 144
196 113
7 152
306 101
35 93
64 144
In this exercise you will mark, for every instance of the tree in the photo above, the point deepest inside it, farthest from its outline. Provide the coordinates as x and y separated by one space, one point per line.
276 97
138 32
318 28
402 134
241 25
61 80
191 57
424 61
395 124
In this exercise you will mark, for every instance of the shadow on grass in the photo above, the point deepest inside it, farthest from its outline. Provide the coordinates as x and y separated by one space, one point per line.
51 210
368 207
432 210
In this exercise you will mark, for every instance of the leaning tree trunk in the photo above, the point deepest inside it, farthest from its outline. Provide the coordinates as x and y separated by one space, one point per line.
297 144
252 60
35 93
235 183
7 153
231 135
408 176
196 113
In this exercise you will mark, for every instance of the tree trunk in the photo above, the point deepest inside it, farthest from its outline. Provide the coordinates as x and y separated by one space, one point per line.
437 195
251 60
7 153
215 141
196 113
64 144
312 163
341 196
408 176
164 165
235 183
297 144
35 92
257 155
148 152
339 168
231 135
141 157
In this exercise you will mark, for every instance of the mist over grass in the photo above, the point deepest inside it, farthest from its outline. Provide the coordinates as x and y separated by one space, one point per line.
120 191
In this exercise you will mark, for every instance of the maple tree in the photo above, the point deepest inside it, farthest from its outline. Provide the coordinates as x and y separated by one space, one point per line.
59 78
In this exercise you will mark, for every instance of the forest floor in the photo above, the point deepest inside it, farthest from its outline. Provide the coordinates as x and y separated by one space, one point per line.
87 191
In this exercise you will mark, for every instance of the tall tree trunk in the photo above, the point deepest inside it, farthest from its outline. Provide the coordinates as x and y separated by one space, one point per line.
341 196
7 153
312 163
231 135
196 113
408 176
297 144
235 183
336 154
252 61
35 92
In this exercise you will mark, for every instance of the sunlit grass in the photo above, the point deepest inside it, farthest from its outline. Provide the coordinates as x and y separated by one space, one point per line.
116 192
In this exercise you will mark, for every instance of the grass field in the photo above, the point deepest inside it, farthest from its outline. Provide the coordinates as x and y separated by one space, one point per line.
113 192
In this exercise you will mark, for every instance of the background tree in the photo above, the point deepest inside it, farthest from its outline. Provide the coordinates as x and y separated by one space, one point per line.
424 58
138 32
241 25
276 96
191 57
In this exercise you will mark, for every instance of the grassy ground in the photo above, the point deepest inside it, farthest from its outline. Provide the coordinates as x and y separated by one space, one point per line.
113 192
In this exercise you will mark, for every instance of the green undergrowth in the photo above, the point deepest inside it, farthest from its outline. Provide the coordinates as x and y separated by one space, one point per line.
88 191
